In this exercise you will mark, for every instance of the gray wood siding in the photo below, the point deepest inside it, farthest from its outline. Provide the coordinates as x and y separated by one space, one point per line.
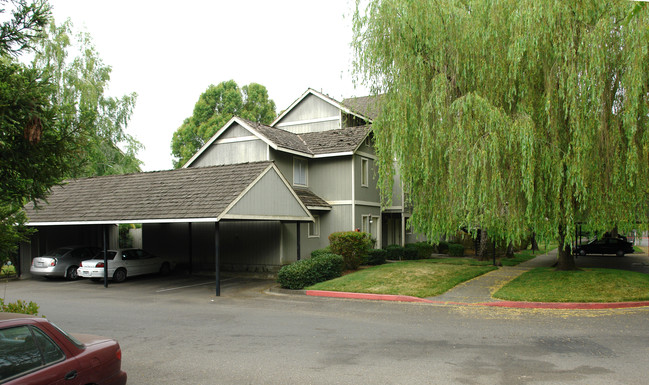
371 192
330 178
269 197
235 131
310 108
232 153
338 219
284 163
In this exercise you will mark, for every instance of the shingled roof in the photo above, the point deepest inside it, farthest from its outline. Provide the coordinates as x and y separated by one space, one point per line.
368 106
316 143
192 194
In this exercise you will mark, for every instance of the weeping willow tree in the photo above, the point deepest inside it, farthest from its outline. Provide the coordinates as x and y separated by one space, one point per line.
511 115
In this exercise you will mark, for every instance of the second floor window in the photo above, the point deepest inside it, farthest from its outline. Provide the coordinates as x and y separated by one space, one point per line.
365 172
300 172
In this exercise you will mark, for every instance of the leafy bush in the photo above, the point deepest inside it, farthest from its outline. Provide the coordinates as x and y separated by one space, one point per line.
424 249
352 245
319 252
410 252
394 252
455 250
442 247
376 257
7 270
307 272
19 306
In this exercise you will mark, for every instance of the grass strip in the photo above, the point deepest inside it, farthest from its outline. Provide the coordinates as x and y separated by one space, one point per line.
587 285
422 278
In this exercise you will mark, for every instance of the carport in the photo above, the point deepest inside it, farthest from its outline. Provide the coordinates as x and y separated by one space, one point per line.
207 196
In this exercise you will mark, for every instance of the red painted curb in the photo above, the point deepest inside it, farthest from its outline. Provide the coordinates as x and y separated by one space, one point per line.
507 304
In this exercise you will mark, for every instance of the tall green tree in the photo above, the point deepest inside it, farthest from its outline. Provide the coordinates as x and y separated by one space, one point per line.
71 62
214 108
512 114
33 151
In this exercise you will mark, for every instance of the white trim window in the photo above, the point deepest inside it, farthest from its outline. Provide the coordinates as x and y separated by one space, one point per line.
314 227
300 172
365 172
366 225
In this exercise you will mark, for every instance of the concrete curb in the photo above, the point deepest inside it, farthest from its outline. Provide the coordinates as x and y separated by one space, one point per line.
505 304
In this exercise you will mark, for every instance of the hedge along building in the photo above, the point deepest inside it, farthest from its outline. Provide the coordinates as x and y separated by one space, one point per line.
320 149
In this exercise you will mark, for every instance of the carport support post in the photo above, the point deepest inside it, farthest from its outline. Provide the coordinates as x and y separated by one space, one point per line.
217 253
105 232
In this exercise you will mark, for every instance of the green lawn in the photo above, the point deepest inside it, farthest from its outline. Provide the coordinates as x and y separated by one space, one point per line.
587 285
423 278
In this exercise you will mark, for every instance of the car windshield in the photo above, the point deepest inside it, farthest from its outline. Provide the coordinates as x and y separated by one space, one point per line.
100 255
58 252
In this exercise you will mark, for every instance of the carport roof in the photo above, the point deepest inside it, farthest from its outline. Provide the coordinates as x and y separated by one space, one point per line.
205 194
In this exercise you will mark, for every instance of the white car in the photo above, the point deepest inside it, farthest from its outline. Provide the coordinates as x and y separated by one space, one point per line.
123 263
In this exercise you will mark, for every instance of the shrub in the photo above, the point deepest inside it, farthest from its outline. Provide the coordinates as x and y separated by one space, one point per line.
424 249
352 245
319 252
308 272
19 306
410 252
442 247
7 271
394 252
376 257
455 250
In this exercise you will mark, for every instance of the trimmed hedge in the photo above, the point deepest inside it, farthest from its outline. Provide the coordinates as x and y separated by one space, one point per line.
307 272
455 250
442 247
319 252
352 245
394 252
424 249
376 257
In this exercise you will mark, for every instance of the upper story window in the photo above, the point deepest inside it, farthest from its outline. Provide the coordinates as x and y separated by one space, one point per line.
300 171
365 172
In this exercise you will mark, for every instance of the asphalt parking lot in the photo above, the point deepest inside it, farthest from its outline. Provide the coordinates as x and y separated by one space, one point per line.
175 330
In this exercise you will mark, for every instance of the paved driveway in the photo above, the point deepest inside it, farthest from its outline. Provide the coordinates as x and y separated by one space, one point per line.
175 331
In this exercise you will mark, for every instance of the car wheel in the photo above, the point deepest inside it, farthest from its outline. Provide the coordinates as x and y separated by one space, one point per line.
620 253
165 269
119 275
71 273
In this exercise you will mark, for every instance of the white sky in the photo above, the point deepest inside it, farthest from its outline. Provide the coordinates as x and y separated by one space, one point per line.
169 52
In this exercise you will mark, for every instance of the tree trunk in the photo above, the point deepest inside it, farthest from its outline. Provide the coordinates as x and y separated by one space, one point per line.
535 245
509 253
566 259
483 248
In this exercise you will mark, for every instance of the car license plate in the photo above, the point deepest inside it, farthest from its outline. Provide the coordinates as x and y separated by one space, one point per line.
40 264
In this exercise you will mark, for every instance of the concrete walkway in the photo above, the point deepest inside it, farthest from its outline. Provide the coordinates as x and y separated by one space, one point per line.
480 289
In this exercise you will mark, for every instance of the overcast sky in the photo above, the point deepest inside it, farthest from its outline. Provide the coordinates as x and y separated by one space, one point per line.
169 52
